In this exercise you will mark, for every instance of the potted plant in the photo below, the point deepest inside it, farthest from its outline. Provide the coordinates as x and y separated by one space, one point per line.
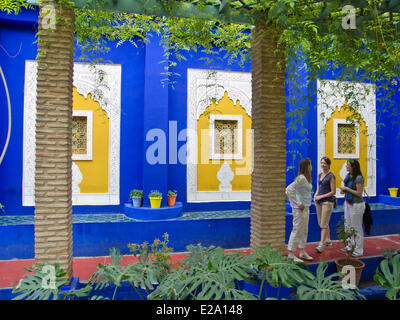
347 237
172 194
136 196
155 197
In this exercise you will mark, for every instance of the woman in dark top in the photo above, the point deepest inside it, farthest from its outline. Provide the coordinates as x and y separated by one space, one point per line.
354 205
324 201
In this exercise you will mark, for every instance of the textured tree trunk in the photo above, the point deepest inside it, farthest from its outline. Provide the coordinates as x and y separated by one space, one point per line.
269 124
53 191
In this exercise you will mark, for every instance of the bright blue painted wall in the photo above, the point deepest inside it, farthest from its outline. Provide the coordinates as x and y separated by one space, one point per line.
146 104
17 39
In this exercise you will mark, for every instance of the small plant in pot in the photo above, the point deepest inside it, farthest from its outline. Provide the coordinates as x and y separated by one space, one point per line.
155 197
172 194
347 237
136 196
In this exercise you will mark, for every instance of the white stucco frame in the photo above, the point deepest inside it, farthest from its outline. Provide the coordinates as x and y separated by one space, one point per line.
199 92
238 133
332 94
85 81
89 137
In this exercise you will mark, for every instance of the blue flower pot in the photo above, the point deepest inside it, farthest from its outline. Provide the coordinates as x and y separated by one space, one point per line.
136 202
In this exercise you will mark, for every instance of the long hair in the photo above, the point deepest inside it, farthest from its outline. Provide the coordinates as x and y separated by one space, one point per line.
304 168
355 169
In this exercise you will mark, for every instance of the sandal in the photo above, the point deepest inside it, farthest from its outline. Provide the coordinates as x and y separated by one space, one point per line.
306 256
320 248
295 259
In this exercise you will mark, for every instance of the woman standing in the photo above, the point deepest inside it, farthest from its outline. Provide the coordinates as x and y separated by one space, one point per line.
354 206
324 202
299 195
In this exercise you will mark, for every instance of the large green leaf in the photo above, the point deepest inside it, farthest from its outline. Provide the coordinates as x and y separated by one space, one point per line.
209 274
37 286
388 276
321 287
277 269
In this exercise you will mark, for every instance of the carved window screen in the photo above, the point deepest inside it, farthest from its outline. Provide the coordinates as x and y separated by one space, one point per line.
225 136
226 139
79 135
346 144
82 135
346 138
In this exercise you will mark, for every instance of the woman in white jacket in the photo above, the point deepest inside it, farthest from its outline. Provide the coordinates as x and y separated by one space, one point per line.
299 193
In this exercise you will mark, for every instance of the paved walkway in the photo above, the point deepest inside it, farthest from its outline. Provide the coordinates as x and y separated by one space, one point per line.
83 267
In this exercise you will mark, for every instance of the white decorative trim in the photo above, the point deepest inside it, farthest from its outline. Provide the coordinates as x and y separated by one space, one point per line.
225 175
89 137
76 178
238 86
239 133
98 199
336 154
332 94
215 196
110 101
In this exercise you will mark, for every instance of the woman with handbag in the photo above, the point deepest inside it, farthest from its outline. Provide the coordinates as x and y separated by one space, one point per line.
299 195
324 199
354 206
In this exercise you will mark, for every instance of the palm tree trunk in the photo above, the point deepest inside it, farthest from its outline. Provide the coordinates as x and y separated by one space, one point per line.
269 124
53 191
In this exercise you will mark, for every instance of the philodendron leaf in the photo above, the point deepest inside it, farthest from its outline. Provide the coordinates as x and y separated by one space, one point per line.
388 275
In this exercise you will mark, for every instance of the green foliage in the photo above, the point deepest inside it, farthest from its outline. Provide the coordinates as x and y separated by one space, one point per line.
311 33
13 6
172 192
276 269
208 273
144 274
37 286
158 250
346 235
2 207
388 276
155 194
136 193
321 287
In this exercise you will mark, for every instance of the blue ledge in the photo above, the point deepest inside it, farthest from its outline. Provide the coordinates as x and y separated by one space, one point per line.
146 213
395 201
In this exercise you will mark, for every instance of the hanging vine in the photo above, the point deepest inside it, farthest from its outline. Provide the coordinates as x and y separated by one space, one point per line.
312 33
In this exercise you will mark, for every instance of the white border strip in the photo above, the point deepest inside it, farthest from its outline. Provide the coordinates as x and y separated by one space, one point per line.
331 94
84 80
238 85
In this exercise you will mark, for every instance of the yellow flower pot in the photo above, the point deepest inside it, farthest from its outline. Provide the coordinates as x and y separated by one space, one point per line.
155 202
393 192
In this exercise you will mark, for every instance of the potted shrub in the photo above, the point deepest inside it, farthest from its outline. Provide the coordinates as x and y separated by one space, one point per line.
172 194
136 196
155 197
347 237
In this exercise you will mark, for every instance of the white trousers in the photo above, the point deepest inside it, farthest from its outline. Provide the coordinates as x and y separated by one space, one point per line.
298 236
353 218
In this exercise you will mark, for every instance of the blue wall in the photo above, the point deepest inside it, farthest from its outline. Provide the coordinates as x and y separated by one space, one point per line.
95 238
16 37
147 104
